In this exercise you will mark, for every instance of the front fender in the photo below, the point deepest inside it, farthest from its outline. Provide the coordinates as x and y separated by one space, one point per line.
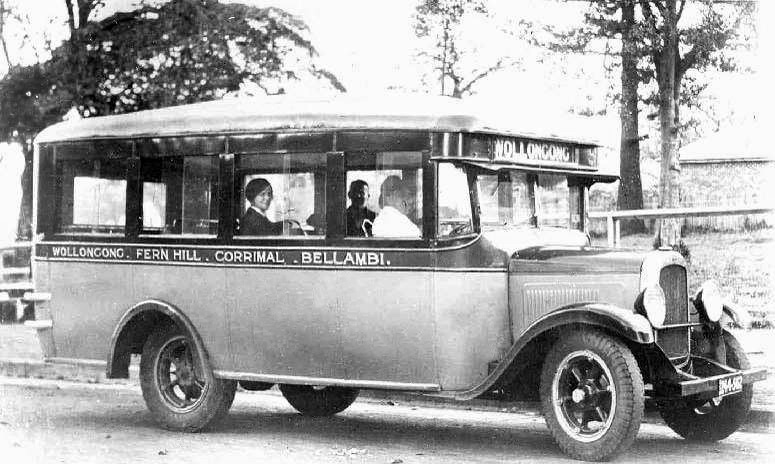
625 323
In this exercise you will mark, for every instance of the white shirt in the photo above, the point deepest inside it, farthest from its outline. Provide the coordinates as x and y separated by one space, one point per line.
392 223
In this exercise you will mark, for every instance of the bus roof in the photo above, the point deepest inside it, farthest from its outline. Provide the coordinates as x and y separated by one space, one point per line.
250 115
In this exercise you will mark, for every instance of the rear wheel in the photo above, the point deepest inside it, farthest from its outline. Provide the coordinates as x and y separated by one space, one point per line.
178 397
592 395
318 401
718 418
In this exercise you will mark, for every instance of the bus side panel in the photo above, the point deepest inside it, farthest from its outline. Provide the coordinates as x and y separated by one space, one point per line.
198 293
387 325
284 322
340 324
472 325
87 301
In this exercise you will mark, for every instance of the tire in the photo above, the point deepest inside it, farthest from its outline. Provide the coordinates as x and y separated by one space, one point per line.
718 418
592 395
250 385
325 401
176 398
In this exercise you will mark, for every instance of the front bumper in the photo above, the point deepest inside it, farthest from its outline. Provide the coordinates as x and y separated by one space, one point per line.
714 380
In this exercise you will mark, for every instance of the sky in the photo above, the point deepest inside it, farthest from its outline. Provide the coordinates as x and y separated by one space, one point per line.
370 45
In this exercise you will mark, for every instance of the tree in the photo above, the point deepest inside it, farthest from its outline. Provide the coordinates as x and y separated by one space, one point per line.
5 13
703 44
650 40
617 20
440 22
181 51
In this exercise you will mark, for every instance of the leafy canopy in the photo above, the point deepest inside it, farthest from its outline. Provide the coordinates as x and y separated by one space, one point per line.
182 51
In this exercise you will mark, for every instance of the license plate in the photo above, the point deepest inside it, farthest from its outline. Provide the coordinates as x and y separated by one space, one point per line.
730 385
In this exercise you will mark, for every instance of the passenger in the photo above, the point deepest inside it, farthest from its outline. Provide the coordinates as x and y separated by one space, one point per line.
254 222
397 203
359 217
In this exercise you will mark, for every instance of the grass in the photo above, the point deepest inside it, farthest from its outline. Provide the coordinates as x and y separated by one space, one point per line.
740 262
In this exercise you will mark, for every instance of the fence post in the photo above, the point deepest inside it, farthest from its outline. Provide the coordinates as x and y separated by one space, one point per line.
610 232
617 232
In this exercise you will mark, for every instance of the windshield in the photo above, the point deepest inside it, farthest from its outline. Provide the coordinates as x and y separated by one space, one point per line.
524 199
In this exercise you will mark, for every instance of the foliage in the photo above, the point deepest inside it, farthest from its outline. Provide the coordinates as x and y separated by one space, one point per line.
182 51
440 27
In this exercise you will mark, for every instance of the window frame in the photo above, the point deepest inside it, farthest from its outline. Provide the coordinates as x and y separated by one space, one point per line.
427 176
572 180
472 198
334 143
238 198
56 189
144 234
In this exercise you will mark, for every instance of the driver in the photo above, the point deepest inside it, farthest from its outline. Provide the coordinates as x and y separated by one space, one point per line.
398 203
254 222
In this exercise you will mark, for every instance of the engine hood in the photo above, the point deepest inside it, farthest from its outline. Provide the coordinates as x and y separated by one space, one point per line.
512 240
576 260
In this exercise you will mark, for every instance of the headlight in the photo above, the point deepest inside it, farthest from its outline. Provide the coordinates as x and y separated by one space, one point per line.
652 302
709 302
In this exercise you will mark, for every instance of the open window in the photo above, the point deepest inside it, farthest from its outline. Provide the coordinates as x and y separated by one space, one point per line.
394 201
91 196
288 195
179 195
454 216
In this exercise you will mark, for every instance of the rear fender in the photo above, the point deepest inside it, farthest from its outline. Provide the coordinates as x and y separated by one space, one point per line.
136 325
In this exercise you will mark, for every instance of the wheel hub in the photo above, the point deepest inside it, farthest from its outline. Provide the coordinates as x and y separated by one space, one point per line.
176 378
584 396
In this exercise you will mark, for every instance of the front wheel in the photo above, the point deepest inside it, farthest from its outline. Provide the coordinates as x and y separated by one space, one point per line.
592 395
718 418
177 397
318 401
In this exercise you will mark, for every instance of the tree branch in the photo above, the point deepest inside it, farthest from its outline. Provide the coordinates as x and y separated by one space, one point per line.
2 33
70 17
680 11
482 75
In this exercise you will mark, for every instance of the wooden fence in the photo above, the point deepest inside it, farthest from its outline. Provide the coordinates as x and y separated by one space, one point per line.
613 218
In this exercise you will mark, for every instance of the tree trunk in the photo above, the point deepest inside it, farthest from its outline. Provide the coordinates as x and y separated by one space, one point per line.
630 195
669 233
24 225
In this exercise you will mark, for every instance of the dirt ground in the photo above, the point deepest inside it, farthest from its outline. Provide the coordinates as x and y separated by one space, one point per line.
64 422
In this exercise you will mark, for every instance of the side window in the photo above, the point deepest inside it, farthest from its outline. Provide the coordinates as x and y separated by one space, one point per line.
554 197
454 200
392 205
506 198
180 195
282 195
577 207
91 196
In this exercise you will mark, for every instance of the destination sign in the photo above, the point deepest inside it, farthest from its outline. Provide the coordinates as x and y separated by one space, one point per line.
504 149
206 255
527 151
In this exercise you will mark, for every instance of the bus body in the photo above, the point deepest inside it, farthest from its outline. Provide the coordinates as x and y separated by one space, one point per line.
142 245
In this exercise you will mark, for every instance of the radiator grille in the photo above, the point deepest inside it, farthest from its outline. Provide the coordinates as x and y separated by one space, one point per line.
674 341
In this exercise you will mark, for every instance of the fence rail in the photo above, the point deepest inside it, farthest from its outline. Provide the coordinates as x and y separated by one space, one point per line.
613 218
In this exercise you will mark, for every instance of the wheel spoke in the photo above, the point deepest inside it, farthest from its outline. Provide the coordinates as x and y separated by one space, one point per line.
603 382
601 414
576 373
585 418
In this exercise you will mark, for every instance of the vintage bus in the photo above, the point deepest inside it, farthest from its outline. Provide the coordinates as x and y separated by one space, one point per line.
328 247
